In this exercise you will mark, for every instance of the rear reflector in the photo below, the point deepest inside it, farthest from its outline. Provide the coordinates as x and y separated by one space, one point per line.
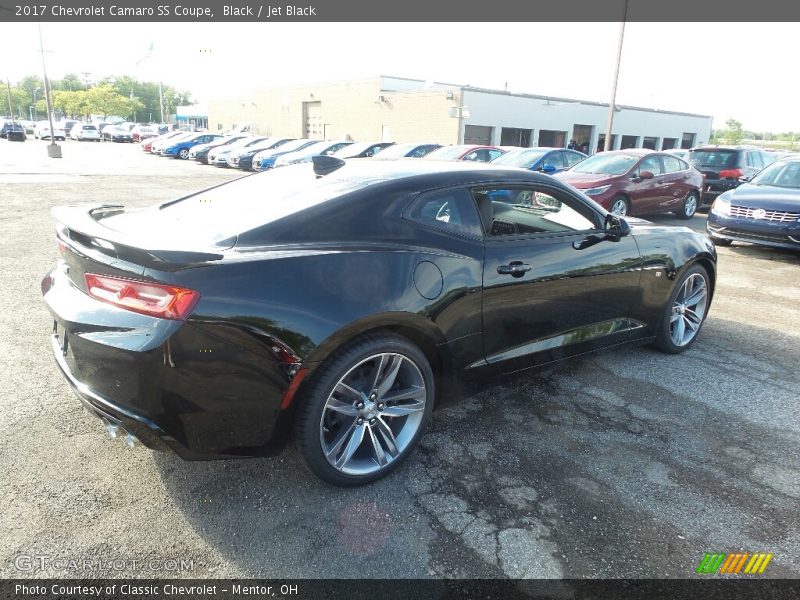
731 173
147 298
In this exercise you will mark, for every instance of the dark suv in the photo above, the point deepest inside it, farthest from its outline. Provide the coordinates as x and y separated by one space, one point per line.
725 167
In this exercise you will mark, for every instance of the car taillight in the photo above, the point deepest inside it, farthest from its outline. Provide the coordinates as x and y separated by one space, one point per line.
731 173
154 299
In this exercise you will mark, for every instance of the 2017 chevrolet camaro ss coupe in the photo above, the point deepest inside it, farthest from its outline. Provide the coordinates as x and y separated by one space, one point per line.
336 300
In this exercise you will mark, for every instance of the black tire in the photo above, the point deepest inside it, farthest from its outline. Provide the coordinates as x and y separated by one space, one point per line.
664 340
689 206
721 242
620 201
183 154
311 405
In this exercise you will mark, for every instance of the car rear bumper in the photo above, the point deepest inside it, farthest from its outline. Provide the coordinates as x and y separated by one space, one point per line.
714 187
170 384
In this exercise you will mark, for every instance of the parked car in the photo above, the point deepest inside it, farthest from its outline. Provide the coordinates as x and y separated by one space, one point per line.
85 132
200 152
265 159
764 210
361 149
243 158
14 132
544 160
638 182
142 132
466 152
321 148
13 127
116 133
219 156
334 302
180 147
408 150
67 126
163 141
147 144
42 131
722 166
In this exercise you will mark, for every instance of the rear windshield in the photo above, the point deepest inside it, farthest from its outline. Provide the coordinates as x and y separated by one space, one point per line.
233 208
519 158
89 128
713 158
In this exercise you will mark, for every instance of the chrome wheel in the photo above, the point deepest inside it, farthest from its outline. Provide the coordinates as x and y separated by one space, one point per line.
688 310
620 207
373 414
689 206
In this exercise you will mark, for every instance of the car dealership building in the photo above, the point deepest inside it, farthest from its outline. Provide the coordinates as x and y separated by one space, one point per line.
410 110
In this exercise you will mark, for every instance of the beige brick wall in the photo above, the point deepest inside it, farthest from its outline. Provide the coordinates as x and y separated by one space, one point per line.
348 109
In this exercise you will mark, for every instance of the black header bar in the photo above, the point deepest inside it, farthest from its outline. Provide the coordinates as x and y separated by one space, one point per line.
187 11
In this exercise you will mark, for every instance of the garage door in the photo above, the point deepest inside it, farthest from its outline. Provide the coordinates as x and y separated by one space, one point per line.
478 134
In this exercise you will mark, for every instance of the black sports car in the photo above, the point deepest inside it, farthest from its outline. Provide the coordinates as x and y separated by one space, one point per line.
338 299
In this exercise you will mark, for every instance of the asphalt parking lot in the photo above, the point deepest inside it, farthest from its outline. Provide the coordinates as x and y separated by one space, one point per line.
626 464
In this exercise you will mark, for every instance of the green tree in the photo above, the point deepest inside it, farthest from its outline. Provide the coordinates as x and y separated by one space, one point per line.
19 102
70 82
103 100
733 131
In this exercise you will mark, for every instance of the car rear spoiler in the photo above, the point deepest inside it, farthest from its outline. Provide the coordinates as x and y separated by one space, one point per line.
80 225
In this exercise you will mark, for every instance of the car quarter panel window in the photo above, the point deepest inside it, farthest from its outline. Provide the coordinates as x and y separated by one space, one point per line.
450 210
531 210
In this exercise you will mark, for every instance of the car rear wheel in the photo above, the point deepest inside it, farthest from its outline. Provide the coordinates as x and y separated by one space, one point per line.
365 410
620 206
689 206
685 311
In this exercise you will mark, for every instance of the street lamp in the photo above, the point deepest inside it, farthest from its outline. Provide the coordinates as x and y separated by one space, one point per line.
612 105
35 110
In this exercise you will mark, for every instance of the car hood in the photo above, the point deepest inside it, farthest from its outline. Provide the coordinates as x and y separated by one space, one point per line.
585 180
765 196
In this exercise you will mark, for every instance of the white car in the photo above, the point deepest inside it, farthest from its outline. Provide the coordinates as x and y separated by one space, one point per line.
84 132
41 131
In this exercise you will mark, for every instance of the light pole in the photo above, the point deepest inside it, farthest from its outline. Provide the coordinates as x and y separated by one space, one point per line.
53 149
35 110
612 107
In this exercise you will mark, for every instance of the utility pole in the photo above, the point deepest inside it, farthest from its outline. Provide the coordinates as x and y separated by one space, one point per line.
613 106
10 105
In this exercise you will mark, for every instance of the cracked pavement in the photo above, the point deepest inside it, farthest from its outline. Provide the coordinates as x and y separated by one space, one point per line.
625 464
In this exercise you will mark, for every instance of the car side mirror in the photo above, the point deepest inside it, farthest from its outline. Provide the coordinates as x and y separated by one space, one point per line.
615 226
744 179
548 168
646 175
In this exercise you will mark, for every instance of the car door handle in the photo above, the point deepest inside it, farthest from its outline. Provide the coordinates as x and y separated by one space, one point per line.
516 269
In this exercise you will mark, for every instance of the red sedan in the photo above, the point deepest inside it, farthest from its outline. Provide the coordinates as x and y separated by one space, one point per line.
466 152
638 181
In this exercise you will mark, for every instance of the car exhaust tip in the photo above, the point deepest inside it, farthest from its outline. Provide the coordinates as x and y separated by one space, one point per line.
116 431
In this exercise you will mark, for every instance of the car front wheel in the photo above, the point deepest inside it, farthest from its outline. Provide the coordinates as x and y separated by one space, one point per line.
365 410
685 311
620 206
183 154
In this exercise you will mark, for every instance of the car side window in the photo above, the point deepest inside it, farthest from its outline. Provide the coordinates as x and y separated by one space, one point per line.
671 164
525 210
650 163
450 210
573 158
554 158
494 154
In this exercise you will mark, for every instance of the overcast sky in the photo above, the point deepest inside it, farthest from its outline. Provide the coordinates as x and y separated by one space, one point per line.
742 70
